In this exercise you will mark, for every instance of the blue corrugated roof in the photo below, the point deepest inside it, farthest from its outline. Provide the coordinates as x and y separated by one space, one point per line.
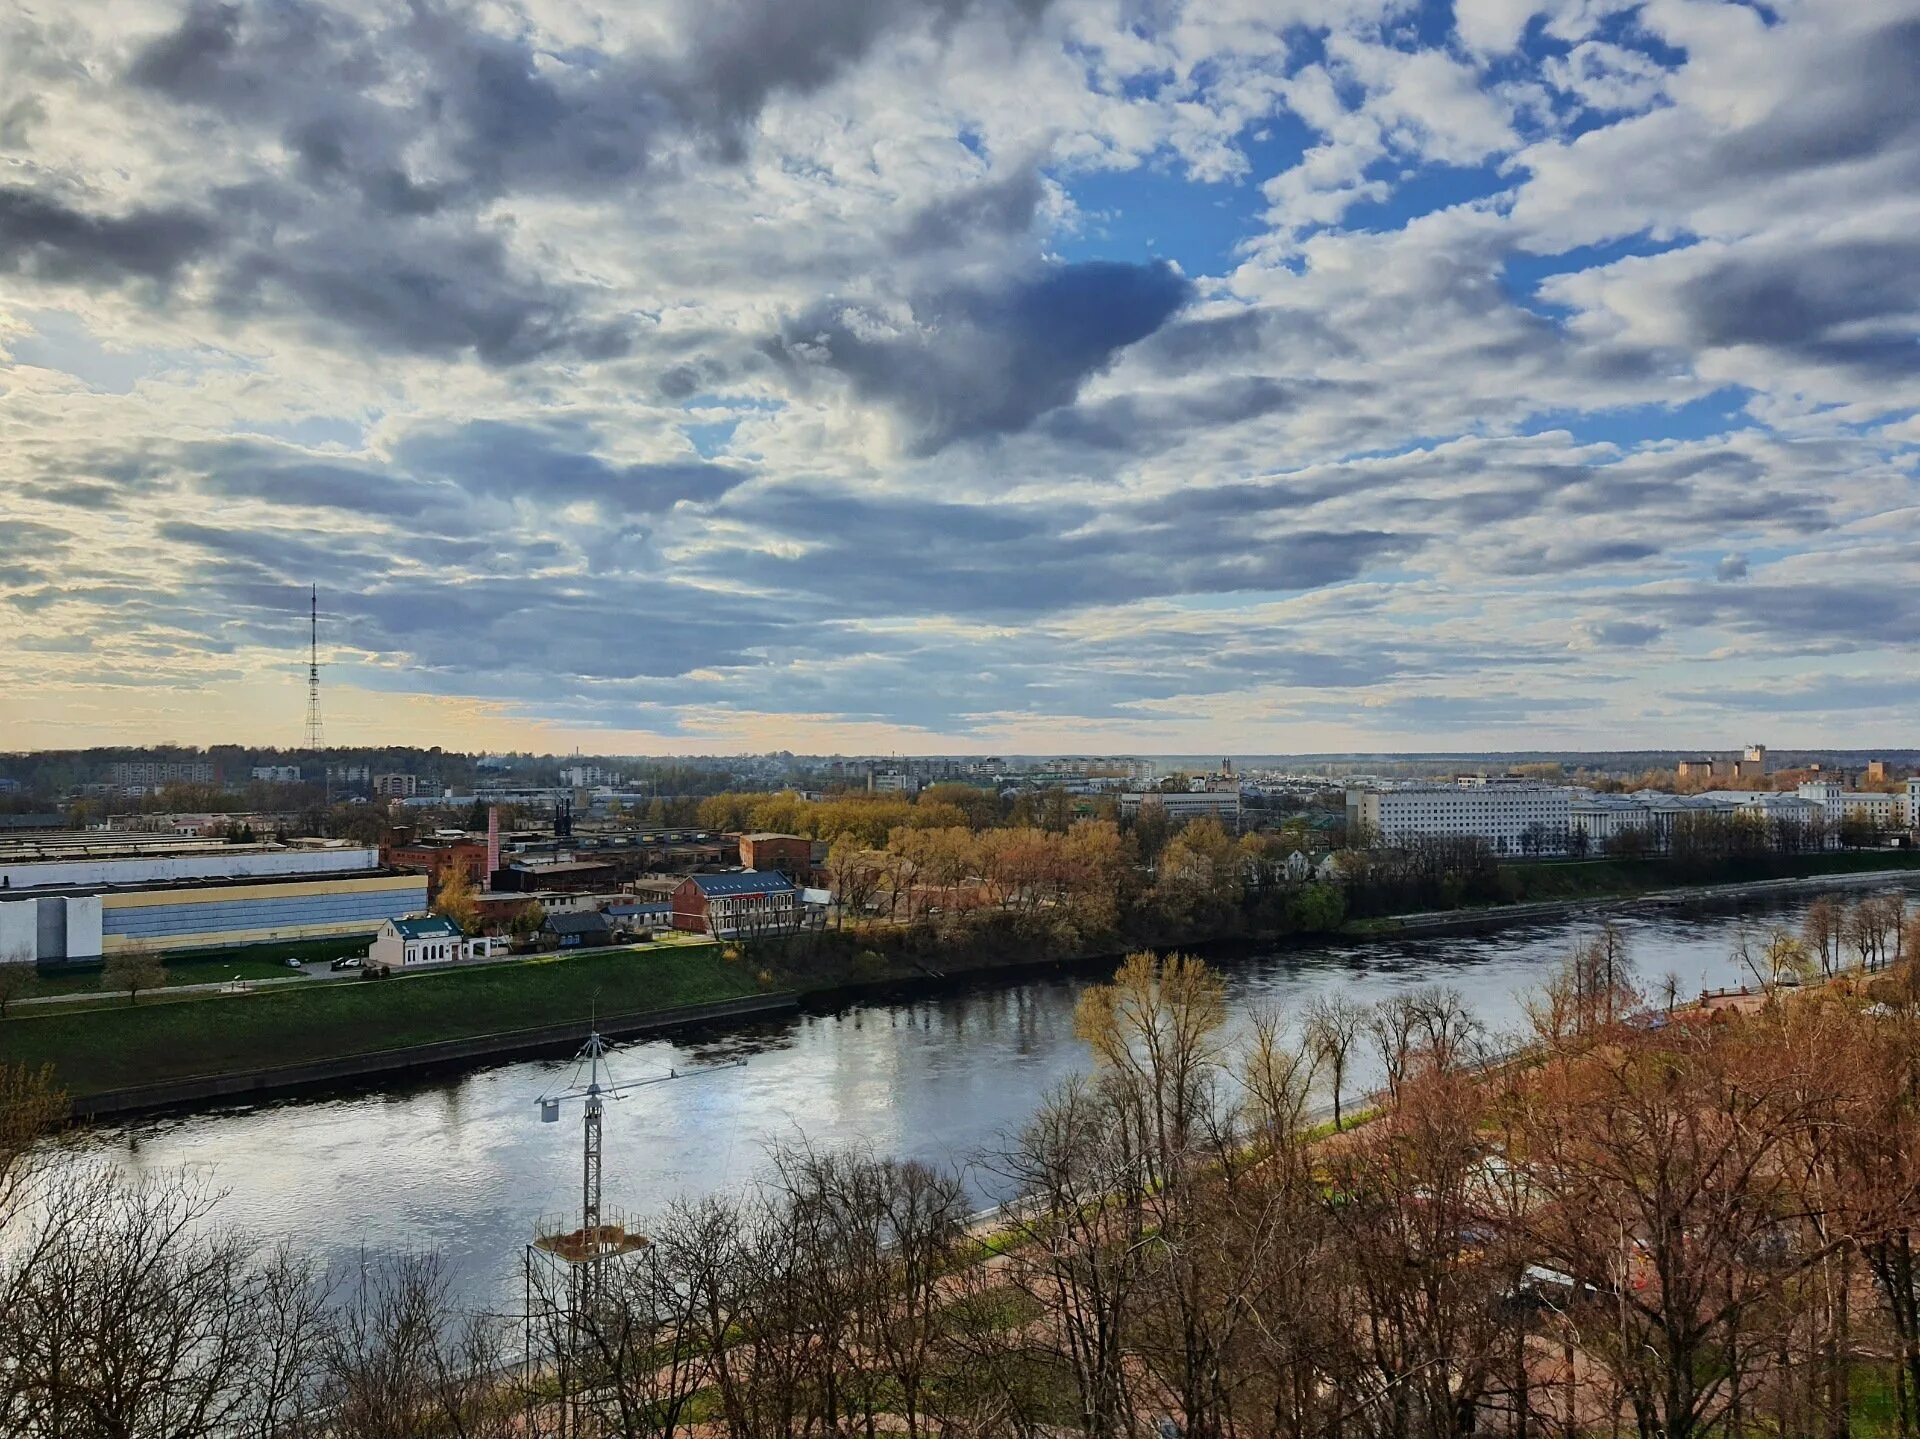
426 926
751 881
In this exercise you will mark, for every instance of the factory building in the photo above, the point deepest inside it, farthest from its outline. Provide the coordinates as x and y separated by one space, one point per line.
85 897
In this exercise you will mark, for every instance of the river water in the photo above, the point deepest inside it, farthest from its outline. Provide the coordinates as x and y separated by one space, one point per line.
464 1166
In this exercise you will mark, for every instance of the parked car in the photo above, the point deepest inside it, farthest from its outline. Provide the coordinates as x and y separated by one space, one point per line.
291 963
347 961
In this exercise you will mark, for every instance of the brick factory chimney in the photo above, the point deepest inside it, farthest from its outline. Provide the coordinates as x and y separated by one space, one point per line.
493 843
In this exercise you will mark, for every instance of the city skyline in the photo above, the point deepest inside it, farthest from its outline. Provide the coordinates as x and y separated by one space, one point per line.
982 376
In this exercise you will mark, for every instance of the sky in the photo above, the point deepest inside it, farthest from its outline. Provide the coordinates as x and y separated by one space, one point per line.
961 375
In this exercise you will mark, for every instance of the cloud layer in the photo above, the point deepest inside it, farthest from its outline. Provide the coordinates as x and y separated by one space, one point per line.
995 374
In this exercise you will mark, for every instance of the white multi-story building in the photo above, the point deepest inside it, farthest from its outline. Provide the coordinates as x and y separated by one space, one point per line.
1513 816
1889 811
1223 805
154 773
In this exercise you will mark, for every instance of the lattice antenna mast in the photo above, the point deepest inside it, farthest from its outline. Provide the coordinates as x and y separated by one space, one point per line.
316 738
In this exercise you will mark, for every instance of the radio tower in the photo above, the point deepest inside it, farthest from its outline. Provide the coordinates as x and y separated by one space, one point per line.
316 740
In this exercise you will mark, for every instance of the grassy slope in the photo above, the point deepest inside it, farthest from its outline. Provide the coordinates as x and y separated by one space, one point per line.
114 1048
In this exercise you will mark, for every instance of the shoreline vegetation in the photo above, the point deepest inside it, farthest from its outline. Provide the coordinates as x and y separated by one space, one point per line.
1681 1221
174 1051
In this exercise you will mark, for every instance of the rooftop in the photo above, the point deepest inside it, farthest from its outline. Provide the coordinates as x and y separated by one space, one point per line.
426 926
746 881
577 921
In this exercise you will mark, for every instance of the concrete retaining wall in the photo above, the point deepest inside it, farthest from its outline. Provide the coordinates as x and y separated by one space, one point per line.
424 1058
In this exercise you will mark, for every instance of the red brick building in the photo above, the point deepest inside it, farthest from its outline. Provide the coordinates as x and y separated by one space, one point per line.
436 860
790 854
730 906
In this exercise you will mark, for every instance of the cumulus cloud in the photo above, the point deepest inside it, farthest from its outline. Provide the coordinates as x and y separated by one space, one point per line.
677 369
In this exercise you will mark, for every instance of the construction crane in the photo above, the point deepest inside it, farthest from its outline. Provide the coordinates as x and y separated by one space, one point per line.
595 1089
584 1251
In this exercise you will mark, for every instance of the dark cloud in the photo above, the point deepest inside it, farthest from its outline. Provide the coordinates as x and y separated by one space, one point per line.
281 474
1620 634
40 235
996 209
1850 304
438 294
974 362
558 463
402 130
1853 614
1851 103
1024 560
26 539
1439 714
1560 558
1731 567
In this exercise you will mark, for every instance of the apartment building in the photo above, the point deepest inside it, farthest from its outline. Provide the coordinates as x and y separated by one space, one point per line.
1513 816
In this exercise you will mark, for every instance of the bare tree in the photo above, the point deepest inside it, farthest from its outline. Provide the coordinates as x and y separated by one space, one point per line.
131 970
288 1301
32 1106
1657 1166
124 1316
16 979
1394 1026
1077 1245
1451 1036
1333 1027
1822 928
398 1360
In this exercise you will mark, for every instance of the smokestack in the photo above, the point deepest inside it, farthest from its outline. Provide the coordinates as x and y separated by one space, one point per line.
493 842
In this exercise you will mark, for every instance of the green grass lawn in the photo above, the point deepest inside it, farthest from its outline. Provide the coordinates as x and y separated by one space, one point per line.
121 1046
210 966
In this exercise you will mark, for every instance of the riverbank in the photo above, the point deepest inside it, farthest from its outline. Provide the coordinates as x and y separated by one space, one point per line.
148 1056
197 1049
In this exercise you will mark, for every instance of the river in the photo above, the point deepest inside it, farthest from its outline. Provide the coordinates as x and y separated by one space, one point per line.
464 1166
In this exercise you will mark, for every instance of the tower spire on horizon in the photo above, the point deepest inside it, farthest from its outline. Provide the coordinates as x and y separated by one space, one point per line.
316 737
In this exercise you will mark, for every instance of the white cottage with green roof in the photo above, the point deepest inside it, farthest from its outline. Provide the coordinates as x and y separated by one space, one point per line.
415 939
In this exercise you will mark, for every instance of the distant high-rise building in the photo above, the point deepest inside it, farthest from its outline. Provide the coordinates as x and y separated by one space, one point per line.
160 772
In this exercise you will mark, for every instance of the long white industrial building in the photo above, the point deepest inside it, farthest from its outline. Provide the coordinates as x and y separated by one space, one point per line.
73 898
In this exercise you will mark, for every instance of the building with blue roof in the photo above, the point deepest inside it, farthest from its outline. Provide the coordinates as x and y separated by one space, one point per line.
737 905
